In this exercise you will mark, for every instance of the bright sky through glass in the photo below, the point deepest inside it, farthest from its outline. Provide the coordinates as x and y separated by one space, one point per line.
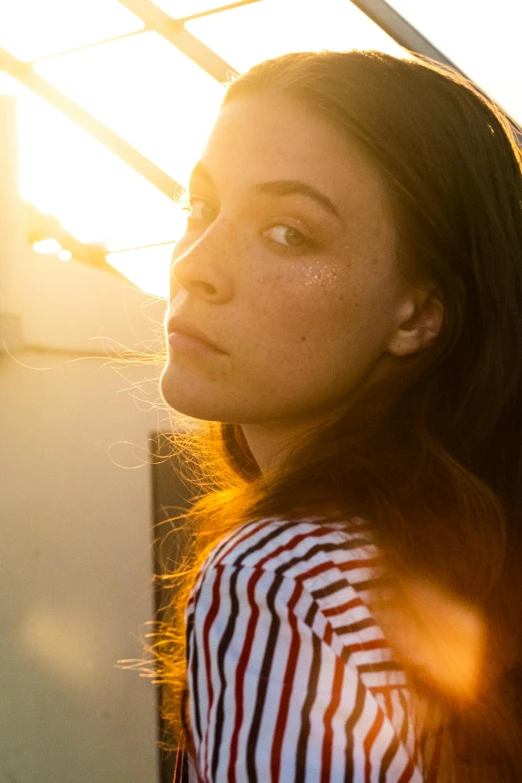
181 8
30 29
64 172
249 34
148 92
148 268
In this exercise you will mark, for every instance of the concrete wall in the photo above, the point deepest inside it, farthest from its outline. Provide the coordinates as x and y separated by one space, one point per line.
75 512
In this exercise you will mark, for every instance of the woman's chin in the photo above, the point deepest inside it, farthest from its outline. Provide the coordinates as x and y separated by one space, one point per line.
186 398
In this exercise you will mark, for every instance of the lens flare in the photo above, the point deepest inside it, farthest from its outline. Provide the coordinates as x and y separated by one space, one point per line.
439 638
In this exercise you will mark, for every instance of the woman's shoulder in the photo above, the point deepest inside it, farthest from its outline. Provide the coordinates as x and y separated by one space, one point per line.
309 578
278 543
326 555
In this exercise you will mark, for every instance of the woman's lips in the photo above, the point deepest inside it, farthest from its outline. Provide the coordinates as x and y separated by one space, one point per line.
179 324
187 343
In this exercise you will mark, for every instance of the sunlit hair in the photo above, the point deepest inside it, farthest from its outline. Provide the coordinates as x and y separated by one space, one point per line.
431 454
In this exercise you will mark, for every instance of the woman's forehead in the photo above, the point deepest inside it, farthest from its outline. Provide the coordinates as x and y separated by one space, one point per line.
267 138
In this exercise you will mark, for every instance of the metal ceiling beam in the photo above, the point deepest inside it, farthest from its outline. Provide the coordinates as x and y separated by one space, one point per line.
217 10
175 33
24 73
400 30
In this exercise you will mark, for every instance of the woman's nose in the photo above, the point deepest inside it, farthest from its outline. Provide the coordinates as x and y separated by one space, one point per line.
201 271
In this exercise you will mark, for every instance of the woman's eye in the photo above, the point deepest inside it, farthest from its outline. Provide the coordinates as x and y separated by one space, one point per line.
286 235
199 209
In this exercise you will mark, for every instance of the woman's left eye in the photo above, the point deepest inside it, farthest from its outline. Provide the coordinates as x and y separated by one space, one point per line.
286 235
199 209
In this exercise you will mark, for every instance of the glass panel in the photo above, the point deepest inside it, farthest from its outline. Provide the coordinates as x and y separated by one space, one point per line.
148 92
180 8
97 198
36 28
146 267
252 33
483 39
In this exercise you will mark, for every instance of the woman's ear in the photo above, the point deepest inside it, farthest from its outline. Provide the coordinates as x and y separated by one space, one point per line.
420 321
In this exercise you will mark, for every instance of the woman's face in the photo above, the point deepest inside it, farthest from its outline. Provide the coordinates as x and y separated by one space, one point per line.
288 264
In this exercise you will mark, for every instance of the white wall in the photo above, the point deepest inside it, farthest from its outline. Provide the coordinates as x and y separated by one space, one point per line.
75 511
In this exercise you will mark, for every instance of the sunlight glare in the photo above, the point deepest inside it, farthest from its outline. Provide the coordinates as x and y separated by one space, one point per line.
148 92
249 34
30 29
48 247
95 195
148 268
180 8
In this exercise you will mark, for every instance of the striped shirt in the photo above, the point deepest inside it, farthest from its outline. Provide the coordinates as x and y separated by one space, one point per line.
290 678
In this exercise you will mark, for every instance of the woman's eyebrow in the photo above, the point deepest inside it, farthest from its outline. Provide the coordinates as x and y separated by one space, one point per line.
280 187
284 187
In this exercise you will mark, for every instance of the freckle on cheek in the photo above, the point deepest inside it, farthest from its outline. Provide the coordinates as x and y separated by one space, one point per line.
322 277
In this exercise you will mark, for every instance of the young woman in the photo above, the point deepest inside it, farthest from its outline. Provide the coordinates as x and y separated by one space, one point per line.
353 263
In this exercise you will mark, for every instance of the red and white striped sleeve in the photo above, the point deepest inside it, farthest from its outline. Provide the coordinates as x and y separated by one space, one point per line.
287 668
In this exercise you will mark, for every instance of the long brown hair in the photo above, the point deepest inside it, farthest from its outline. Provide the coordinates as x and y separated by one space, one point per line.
431 454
